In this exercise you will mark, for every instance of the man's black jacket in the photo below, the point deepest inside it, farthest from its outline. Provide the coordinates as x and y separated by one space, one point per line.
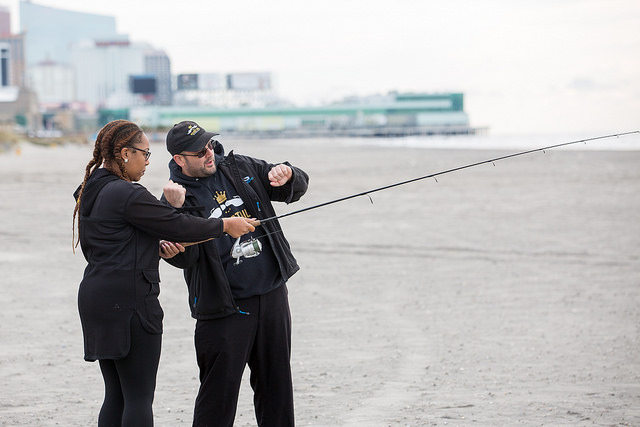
209 291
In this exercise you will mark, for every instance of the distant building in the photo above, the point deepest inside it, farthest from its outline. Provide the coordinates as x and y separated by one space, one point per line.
234 90
50 31
18 104
107 72
5 21
249 81
55 82
13 66
158 64
395 114
4 64
103 69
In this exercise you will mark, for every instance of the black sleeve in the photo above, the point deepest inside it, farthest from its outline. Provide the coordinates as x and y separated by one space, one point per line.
191 254
147 213
291 192
297 185
185 259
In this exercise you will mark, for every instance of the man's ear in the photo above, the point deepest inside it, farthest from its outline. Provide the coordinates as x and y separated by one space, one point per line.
179 160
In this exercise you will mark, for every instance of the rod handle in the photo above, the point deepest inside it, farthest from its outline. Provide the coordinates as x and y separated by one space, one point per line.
255 223
186 244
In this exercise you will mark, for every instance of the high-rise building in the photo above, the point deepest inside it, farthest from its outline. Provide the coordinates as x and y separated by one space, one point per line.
48 35
158 64
117 73
103 69
49 31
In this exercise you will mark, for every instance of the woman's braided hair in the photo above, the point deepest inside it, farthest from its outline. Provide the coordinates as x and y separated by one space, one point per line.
111 139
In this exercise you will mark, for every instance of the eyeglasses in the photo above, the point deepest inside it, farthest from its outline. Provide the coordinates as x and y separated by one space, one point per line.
147 152
200 154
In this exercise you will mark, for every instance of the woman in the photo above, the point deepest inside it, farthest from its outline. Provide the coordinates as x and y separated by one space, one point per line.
120 225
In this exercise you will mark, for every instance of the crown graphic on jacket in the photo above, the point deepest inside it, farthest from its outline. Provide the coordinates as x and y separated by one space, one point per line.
221 197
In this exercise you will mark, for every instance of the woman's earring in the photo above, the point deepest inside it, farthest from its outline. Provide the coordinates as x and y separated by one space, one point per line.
126 160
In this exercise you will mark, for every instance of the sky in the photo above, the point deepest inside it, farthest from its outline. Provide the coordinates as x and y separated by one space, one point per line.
524 66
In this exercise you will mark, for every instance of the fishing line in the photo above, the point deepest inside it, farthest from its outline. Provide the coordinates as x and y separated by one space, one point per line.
434 175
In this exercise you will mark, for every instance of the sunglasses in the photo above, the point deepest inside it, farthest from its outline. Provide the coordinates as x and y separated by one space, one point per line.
200 154
147 152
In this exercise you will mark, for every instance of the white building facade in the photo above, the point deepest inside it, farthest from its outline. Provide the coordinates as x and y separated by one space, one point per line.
54 82
104 70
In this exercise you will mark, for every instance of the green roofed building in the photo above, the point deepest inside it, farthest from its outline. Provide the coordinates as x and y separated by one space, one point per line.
394 114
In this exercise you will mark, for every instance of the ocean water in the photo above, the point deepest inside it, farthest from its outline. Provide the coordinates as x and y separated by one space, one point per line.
602 142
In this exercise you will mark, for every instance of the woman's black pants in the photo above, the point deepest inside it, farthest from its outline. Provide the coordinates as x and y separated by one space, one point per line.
130 383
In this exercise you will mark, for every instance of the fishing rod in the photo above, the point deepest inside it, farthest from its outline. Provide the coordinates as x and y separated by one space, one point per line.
434 175
251 248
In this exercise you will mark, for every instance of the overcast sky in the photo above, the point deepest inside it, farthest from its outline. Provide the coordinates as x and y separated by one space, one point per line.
525 66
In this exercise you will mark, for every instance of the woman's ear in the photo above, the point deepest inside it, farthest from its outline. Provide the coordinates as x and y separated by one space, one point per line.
124 153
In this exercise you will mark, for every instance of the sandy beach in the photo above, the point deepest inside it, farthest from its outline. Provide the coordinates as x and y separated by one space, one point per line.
498 295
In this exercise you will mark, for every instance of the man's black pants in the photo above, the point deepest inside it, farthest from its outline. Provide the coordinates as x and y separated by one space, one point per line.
261 339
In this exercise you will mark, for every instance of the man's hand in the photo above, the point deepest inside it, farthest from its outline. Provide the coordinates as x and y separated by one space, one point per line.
174 193
279 175
237 226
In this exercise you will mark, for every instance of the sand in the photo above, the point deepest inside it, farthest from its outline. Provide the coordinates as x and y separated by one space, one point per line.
499 295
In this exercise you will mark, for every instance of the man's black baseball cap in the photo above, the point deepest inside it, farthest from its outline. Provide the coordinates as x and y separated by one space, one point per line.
187 136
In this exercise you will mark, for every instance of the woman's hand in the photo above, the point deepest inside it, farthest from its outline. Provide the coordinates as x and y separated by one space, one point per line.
170 249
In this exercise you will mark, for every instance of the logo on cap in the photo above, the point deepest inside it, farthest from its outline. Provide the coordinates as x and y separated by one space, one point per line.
192 130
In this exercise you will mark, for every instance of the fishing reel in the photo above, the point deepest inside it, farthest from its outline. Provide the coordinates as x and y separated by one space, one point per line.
248 249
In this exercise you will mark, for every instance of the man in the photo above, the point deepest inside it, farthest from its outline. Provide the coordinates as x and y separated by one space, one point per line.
240 303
